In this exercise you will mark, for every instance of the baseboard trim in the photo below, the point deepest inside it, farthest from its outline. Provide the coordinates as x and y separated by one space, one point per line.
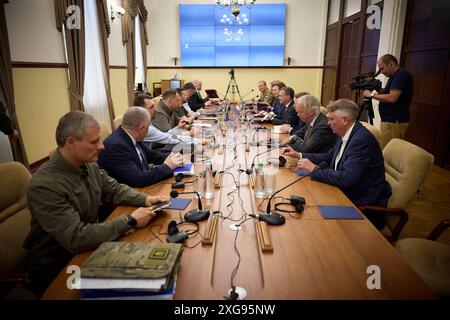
36 165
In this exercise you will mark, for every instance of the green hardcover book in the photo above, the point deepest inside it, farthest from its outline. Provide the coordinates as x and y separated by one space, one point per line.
126 260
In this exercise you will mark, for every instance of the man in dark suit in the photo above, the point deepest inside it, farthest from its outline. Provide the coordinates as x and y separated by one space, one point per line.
316 136
196 101
6 125
126 158
289 115
355 163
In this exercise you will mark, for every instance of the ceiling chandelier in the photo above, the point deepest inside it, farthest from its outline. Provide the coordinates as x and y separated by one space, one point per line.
235 5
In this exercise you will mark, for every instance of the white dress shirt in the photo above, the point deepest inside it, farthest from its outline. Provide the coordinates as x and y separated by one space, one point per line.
138 151
169 137
189 110
343 144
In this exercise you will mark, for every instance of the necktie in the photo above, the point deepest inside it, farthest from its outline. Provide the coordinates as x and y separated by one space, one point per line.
142 157
308 133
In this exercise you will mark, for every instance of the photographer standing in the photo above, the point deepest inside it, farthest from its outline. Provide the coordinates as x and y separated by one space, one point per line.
395 99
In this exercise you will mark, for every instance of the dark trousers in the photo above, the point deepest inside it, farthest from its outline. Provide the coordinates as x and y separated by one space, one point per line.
44 269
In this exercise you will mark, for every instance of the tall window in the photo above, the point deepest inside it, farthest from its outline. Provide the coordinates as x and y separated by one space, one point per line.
95 100
140 68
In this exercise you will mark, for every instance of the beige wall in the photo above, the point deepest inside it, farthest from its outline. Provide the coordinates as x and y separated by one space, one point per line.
299 79
305 30
41 93
41 99
32 31
119 90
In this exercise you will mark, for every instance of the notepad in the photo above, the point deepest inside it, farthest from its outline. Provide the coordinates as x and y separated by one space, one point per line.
178 204
187 169
340 212
277 129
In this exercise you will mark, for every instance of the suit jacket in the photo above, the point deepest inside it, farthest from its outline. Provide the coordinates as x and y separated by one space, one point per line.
289 116
320 139
6 125
121 161
360 172
165 119
278 108
196 101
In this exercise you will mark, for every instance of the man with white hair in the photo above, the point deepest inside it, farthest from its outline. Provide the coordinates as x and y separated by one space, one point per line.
127 159
196 101
355 164
316 136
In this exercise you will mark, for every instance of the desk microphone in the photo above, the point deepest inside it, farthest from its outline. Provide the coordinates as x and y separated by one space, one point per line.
257 143
194 215
244 102
250 171
274 217
247 93
293 139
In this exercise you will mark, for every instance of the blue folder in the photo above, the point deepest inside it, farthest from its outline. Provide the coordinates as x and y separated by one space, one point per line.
340 212
301 172
187 169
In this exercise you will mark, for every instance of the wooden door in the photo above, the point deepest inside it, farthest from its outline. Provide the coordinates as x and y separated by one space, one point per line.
426 55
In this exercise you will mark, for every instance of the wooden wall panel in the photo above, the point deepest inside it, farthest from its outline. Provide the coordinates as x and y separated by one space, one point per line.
426 54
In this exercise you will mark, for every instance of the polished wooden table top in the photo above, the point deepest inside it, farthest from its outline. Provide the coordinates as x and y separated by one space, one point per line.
312 258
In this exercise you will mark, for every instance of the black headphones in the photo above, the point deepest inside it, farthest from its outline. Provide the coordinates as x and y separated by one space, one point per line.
296 201
179 184
177 236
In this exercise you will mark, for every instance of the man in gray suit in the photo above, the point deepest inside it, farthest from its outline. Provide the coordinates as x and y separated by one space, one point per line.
316 136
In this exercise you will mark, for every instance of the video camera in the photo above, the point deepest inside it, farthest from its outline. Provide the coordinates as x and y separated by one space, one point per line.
366 81
231 73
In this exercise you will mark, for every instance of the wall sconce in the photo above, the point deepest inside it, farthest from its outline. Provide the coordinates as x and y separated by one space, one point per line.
289 60
116 12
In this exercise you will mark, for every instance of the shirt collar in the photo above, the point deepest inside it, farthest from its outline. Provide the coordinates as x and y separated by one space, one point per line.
314 120
63 164
287 105
131 137
347 134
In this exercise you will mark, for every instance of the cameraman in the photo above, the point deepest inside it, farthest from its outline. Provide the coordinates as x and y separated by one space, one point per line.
395 99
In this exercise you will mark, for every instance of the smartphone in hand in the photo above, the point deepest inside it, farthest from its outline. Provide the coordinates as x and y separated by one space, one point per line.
160 206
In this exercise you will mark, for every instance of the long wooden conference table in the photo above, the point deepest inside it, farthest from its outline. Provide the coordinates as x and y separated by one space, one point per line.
306 258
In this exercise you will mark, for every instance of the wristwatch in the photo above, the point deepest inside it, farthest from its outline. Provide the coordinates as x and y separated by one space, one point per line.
131 221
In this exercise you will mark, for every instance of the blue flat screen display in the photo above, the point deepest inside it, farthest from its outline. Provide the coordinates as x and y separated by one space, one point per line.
212 36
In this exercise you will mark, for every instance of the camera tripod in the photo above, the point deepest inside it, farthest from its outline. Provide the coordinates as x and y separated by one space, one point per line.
234 88
366 112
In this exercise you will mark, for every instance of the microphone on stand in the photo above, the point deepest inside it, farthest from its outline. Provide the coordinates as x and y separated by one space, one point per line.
257 96
293 139
274 217
194 215
257 143
250 171
247 93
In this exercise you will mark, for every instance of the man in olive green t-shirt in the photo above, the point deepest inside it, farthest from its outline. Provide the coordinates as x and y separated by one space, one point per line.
64 197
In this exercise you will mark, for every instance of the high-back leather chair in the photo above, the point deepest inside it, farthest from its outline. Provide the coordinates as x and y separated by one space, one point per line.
15 221
373 130
105 131
118 122
407 166
429 258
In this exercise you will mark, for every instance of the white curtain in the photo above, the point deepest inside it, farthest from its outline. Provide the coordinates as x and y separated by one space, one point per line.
139 75
95 100
5 149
